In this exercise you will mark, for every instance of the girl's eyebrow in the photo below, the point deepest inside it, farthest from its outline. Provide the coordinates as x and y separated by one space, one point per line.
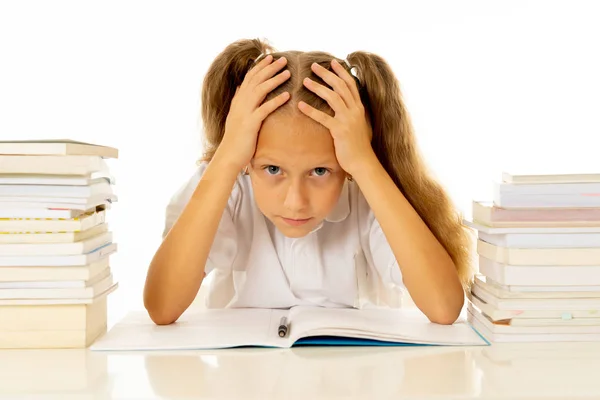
264 159
271 161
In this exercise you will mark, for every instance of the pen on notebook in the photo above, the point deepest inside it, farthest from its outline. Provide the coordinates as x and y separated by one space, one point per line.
283 327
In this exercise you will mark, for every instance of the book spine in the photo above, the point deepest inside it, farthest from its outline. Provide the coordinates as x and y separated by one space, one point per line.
546 201
565 257
550 189
55 249
506 274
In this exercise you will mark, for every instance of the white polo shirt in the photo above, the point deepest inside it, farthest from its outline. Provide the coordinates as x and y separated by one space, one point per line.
345 262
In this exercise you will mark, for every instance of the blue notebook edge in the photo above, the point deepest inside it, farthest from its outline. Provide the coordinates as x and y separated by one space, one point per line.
480 335
349 341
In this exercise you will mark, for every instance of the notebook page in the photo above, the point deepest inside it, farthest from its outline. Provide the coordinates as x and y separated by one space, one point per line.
204 329
404 325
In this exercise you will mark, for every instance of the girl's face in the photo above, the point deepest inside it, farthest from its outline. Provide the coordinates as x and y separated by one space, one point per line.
295 175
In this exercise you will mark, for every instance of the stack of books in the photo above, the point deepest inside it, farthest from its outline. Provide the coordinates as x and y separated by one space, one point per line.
55 243
538 246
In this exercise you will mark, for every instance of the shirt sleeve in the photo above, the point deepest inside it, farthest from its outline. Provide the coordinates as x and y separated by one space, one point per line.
379 253
224 247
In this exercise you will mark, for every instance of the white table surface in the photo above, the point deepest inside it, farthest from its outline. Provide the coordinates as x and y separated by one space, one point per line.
500 371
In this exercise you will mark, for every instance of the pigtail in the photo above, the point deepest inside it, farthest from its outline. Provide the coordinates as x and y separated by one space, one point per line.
224 75
396 148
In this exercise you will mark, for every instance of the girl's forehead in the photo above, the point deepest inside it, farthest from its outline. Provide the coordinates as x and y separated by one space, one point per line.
296 139
292 123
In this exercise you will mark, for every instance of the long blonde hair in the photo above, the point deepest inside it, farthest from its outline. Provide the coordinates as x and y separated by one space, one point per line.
393 137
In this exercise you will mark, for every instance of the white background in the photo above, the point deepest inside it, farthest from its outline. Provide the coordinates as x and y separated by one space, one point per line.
491 86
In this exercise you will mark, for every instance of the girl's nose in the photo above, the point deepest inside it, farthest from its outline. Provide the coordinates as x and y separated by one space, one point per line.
296 197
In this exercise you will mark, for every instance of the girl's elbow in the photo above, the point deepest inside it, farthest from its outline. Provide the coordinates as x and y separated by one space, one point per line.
162 318
157 311
444 319
161 315
448 313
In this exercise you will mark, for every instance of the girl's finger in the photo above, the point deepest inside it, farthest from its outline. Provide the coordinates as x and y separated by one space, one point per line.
259 67
266 87
337 83
347 78
319 116
268 71
333 98
259 94
271 105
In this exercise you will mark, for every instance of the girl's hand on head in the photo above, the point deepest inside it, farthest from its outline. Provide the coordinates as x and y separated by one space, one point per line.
349 128
246 113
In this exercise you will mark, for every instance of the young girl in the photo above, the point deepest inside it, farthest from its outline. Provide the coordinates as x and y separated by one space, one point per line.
311 192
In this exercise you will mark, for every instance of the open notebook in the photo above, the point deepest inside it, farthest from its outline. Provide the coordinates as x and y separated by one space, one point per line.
226 328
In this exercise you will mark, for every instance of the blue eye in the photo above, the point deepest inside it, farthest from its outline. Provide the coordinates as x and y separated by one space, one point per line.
320 171
272 169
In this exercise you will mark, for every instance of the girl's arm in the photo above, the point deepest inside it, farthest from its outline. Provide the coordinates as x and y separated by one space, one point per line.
177 269
427 270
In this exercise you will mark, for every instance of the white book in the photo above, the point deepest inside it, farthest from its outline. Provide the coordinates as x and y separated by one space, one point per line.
56 147
555 322
534 275
541 257
550 178
528 337
35 202
538 229
526 289
56 236
58 293
537 325
502 292
99 188
58 260
539 330
74 284
587 188
538 322
486 213
51 165
20 209
542 240
536 304
514 314
54 273
48 213
59 300
511 200
60 180
84 246
224 328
